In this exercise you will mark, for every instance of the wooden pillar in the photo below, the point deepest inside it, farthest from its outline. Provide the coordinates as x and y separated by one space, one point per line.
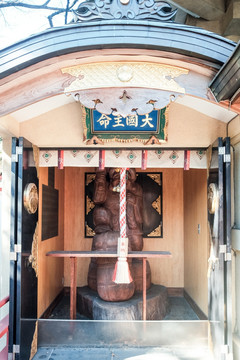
73 288
144 310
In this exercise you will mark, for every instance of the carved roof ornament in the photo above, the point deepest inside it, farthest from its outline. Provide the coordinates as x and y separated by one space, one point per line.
124 9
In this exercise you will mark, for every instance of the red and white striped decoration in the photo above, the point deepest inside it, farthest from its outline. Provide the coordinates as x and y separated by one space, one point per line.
101 159
60 159
144 159
122 219
121 273
186 159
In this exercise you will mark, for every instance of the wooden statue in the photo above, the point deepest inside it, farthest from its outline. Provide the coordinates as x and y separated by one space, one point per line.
106 222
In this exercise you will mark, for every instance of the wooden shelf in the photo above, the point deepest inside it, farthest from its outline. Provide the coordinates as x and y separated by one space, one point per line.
131 254
73 255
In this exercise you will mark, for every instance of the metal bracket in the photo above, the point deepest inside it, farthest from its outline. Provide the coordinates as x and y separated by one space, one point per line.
227 255
17 249
19 151
224 349
222 249
227 158
16 349
221 150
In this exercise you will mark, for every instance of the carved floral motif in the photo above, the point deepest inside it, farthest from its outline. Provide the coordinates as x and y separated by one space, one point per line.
122 9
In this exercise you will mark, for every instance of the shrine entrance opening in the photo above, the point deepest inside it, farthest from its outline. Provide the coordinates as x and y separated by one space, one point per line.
178 199
179 207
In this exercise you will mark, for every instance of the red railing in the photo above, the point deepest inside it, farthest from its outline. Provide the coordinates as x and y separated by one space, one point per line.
4 323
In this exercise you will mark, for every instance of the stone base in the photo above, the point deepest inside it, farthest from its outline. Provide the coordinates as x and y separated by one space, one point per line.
90 305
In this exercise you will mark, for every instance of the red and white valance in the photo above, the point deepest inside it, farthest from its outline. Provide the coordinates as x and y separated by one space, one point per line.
123 158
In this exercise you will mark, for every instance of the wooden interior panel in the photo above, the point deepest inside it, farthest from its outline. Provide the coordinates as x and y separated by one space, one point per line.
168 272
184 207
50 271
196 246
74 222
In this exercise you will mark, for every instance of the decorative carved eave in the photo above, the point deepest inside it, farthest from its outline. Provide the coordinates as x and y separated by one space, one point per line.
37 83
124 9
112 87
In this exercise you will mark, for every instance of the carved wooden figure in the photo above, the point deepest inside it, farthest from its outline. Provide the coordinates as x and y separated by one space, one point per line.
107 230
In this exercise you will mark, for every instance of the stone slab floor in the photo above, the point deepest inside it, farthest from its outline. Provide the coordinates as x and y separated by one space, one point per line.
123 354
180 310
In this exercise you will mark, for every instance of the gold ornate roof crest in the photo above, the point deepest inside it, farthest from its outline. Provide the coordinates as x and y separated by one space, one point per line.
127 74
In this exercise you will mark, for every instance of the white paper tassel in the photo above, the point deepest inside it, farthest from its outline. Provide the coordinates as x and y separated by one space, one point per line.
121 273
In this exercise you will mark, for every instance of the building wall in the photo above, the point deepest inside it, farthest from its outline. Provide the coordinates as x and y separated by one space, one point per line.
168 272
50 270
196 246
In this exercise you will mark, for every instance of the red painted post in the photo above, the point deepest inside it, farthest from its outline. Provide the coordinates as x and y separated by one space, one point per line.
144 311
60 159
186 159
101 159
144 159
73 288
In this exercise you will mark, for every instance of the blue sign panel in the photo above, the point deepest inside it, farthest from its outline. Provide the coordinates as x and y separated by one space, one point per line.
148 123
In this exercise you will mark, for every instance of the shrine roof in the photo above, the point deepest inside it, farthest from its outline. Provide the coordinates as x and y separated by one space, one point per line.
211 49
226 83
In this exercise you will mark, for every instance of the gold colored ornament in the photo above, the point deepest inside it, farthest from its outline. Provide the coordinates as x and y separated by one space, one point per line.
30 198
90 178
157 205
90 205
156 178
89 231
156 232
33 258
34 342
104 75
212 198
